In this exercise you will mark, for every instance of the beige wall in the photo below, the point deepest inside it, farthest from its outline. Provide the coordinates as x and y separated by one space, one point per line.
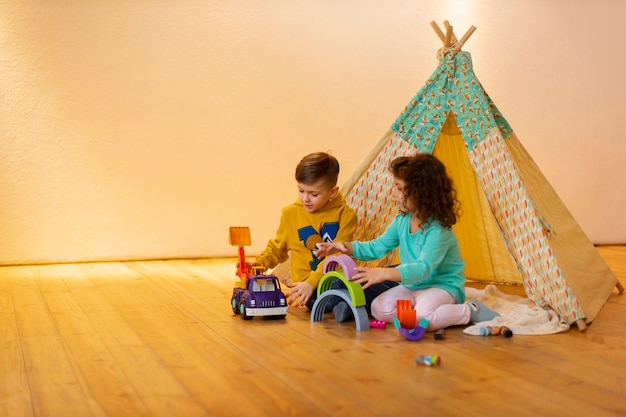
145 129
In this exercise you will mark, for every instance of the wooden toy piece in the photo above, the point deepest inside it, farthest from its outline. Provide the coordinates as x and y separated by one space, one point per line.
428 360
378 324
414 334
240 236
341 267
495 331
405 314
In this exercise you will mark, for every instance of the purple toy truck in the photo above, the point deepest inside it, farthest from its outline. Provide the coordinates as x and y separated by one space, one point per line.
261 296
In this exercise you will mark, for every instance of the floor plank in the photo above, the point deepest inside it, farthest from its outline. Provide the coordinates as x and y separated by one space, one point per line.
159 338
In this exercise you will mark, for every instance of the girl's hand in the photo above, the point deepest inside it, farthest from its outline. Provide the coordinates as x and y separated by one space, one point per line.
299 293
327 248
370 276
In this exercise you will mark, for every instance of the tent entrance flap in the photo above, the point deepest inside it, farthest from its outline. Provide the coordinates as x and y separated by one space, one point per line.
480 239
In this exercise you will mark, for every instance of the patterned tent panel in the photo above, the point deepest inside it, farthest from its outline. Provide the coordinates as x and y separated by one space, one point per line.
523 230
370 196
452 87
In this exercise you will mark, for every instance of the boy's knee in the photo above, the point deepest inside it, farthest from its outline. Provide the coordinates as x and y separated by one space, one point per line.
337 284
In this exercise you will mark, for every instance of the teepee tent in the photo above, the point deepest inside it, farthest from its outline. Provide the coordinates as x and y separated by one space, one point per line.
513 228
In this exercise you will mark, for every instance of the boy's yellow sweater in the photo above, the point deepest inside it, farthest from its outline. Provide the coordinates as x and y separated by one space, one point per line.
300 231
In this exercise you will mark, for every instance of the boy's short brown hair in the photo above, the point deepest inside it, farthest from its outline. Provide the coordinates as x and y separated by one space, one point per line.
318 166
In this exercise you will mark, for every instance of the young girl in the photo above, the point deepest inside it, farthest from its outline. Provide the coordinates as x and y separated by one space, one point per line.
431 270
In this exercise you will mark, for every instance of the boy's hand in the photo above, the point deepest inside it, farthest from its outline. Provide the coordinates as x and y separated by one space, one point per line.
249 265
286 279
299 293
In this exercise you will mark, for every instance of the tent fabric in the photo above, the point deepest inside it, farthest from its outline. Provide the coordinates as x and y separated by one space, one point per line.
453 87
503 235
370 197
477 230
588 275
524 234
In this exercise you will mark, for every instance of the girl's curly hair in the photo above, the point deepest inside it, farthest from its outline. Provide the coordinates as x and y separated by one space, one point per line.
429 187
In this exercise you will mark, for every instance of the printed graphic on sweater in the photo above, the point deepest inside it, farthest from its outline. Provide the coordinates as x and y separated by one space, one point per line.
311 237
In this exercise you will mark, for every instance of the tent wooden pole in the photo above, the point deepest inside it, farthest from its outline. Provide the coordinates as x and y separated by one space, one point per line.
438 31
447 25
448 40
464 39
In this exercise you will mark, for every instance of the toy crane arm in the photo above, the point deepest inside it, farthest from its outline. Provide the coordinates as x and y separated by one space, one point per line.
242 270
240 236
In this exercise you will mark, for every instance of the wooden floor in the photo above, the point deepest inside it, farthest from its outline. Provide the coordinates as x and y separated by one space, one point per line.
159 338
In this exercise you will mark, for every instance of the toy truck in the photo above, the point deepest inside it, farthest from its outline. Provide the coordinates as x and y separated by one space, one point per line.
262 296
256 294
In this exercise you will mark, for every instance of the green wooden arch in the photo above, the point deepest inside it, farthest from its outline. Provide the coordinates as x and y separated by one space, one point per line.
356 292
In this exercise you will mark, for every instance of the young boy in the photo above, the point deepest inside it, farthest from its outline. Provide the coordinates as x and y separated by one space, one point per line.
320 214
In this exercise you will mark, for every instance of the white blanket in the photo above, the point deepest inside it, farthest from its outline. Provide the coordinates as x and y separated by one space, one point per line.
517 313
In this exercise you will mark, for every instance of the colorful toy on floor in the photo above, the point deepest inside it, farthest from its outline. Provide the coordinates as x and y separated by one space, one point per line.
495 331
413 334
342 267
428 360
378 324
405 313
256 294
405 321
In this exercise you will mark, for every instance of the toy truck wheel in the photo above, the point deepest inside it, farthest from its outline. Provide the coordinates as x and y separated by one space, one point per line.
242 310
233 305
